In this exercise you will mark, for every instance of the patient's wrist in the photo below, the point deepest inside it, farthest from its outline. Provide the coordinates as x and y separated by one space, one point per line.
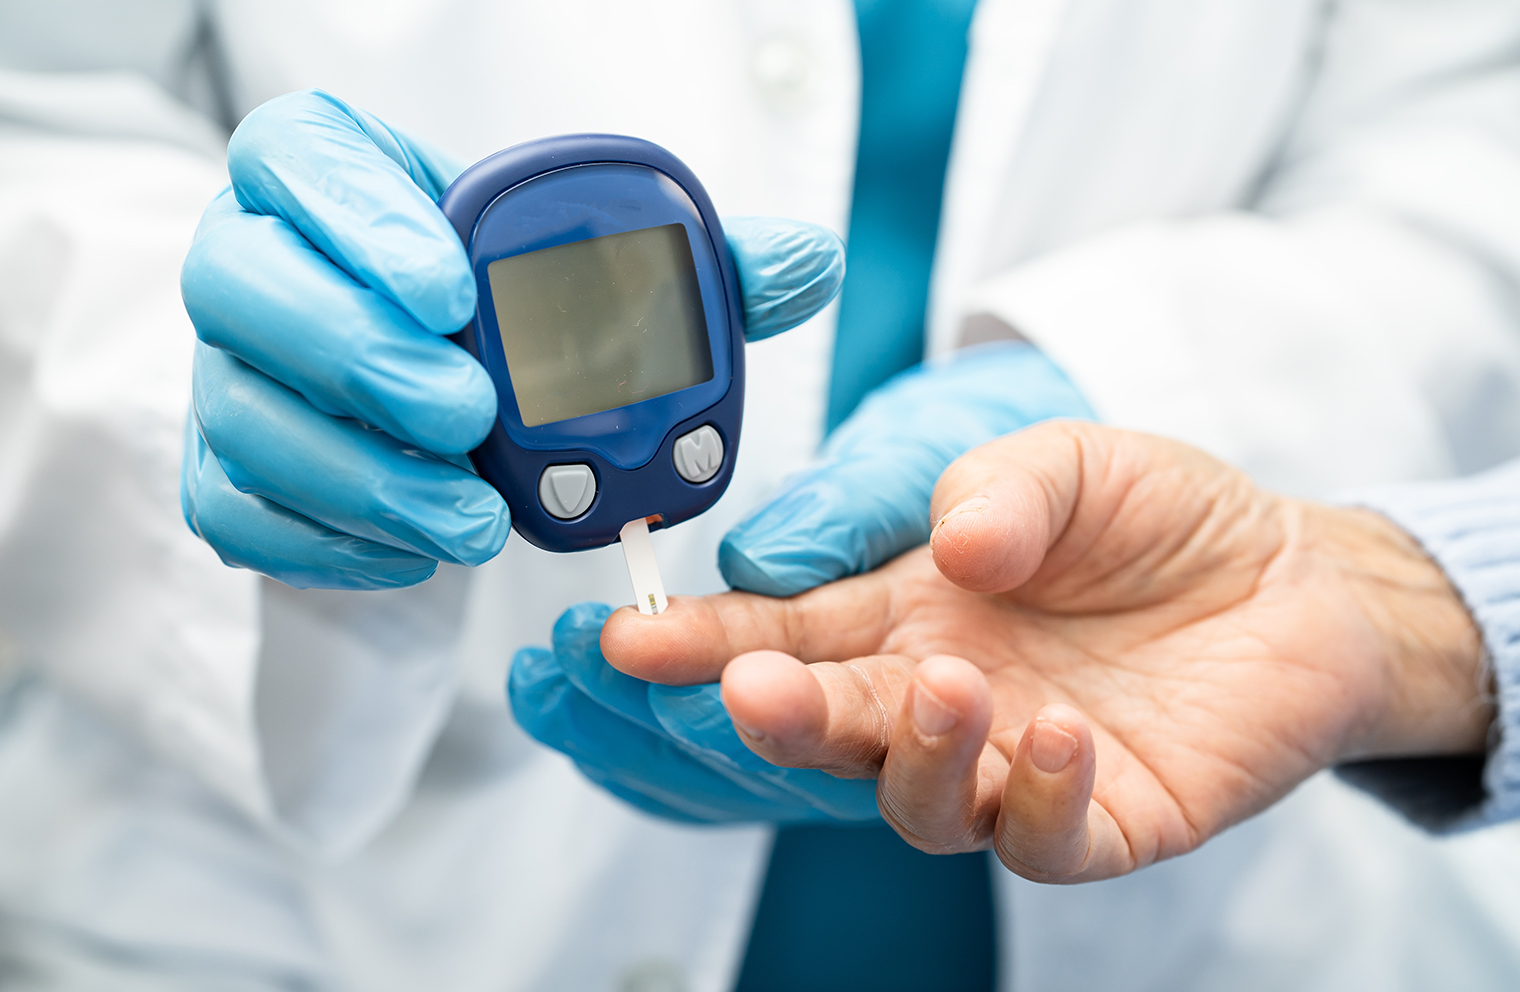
1436 697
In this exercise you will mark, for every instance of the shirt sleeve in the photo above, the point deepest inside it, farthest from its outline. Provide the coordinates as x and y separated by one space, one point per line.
1471 528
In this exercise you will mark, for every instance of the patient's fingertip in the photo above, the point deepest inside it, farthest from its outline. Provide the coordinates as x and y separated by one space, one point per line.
1051 747
974 504
931 715
677 647
774 698
966 550
1042 831
758 670
1054 740
990 542
624 639
955 529
948 692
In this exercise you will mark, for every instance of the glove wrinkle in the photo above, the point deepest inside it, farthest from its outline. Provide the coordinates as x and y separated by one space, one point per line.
788 271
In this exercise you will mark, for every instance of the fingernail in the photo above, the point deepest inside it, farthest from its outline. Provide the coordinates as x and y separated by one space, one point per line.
1052 748
975 504
752 734
930 715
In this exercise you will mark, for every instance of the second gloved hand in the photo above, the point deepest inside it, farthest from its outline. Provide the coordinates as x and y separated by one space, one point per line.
331 416
867 499
670 751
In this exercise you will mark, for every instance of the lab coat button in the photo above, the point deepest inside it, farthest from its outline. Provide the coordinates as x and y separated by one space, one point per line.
782 68
654 975
566 491
698 455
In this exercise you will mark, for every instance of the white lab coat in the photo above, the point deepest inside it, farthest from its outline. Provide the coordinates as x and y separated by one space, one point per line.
1285 230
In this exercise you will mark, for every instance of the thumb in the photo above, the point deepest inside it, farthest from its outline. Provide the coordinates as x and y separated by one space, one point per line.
999 508
788 270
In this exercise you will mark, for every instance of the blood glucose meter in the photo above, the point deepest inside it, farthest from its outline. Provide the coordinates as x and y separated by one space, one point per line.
609 321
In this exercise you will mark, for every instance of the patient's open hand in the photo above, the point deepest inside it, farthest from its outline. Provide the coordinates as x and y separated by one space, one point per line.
1113 648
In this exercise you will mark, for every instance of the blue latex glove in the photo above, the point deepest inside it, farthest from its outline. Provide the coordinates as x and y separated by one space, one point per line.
867 499
667 750
330 415
673 751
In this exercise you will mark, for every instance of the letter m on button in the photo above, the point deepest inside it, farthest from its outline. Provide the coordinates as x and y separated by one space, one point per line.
699 455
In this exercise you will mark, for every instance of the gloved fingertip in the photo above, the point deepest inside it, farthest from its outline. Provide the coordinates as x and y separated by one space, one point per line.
459 299
788 271
414 575
531 665
249 531
470 416
582 617
440 292
535 687
484 541
360 575
693 714
426 391
394 577
578 631
749 572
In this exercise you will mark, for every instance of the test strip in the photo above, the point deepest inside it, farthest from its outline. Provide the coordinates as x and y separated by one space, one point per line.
643 569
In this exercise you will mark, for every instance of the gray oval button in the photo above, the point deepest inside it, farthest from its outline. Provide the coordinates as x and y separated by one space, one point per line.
653 975
566 490
698 455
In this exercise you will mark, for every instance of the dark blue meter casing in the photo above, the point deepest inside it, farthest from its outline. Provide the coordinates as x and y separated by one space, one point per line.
609 320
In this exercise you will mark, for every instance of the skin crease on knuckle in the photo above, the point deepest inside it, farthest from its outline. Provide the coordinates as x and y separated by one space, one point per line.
862 695
973 833
1007 845
1010 856
872 750
974 818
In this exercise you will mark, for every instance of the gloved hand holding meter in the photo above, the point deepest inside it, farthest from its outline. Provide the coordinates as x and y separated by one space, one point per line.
604 306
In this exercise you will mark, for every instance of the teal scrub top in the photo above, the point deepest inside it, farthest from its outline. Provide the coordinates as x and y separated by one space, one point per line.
855 908
912 53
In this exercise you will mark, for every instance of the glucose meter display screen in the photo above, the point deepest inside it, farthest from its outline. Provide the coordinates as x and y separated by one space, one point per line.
598 324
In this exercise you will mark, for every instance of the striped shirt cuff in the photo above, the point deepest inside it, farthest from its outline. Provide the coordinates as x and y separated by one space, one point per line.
1471 528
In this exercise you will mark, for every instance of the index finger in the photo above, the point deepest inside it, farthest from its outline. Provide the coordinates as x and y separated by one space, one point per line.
696 636
364 194
254 287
